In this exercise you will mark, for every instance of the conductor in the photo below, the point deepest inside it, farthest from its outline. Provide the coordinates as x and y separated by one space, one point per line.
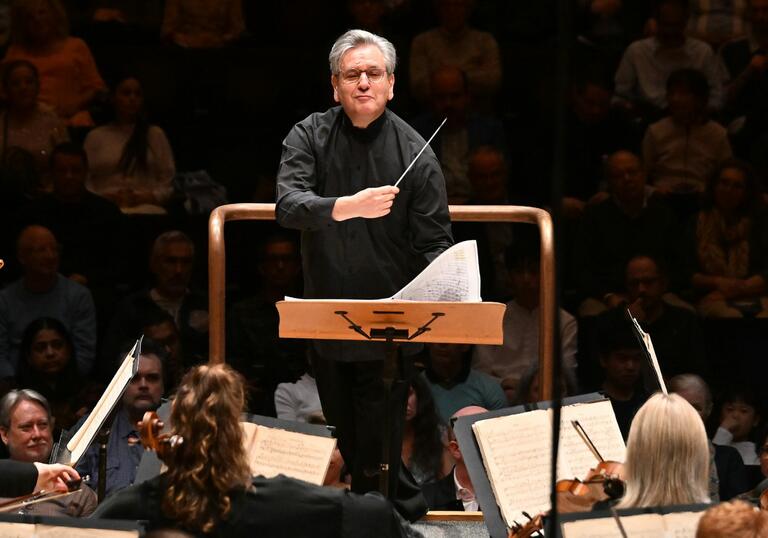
362 238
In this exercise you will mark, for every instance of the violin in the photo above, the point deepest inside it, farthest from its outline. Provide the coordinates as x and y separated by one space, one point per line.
150 437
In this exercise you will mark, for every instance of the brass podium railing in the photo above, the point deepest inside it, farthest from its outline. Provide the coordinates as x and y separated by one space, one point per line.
490 213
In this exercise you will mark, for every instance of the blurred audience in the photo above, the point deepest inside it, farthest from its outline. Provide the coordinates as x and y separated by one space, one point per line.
739 420
69 80
424 450
455 384
26 123
729 243
199 24
130 161
455 43
43 292
717 22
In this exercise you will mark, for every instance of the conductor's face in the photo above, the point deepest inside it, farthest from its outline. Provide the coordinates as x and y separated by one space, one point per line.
362 85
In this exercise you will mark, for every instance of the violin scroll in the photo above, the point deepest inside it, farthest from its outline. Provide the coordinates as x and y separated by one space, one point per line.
150 437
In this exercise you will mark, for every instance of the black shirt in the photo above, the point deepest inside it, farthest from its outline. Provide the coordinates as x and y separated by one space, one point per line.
325 157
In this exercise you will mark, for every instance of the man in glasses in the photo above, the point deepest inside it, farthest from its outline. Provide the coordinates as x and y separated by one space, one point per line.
362 237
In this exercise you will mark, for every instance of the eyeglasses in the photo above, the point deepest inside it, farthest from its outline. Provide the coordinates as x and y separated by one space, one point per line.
353 76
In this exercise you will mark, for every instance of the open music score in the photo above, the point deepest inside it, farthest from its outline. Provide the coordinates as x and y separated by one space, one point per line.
516 452
272 451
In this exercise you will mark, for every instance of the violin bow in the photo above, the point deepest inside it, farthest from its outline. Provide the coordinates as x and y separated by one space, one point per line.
41 496
587 441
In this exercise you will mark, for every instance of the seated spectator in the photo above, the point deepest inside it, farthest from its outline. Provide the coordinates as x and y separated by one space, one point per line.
614 230
717 22
130 161
677 337
520 350
621 360
528 389
762 454
254 348
455 43
647 63
143 393
449 97
88 227
172 259
455 384
26 123
745 64
202 25
43 292
298 401
69 78
739 419
26 428
47 364
728 476
732 519
667 460
424 452
455 491
730 239
682 151
160 327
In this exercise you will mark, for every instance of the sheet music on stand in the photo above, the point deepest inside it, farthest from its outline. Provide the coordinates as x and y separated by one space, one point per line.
82 438
647 345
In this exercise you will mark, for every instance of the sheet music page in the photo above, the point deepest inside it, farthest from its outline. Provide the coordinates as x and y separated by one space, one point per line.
272 451
80 442
453 276
681 524
639 526
516 453
599 421
51 531
17 530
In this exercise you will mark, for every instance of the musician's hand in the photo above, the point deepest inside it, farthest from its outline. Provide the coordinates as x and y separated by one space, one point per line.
729 422
54 476
370 203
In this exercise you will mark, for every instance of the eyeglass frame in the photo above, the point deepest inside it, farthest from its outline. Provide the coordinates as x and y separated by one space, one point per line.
375 79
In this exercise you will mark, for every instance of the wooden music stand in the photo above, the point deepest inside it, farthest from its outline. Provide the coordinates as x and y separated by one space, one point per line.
392 322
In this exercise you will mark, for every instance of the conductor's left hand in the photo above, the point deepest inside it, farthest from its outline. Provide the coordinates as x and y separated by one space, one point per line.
370 203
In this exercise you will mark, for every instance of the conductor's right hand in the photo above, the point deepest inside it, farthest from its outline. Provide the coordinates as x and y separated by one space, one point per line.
370 203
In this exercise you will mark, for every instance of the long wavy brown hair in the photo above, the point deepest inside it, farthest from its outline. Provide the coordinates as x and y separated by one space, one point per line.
211 461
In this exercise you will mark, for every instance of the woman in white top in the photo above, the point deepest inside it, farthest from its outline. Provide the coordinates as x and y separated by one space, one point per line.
130 161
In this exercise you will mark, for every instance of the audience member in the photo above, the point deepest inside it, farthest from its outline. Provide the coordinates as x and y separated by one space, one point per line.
424 450
88 227
160 327
172 259
142 394
47 364
739 418
520 350
26 428
667 460
745 63
730 238
762 454
255 349
464 131
298 401
455 43
733 519
717 22
26 123
677 337
682 151
454 491
528 389
621 360
69 78
43 292
212 492
455 384
728 476
646 64
631 221
199 24
131 161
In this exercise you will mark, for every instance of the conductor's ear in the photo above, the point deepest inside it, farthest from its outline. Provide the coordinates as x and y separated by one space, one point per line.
335 84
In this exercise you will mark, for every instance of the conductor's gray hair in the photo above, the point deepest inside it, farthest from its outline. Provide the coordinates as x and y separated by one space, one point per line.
14 398
359 38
